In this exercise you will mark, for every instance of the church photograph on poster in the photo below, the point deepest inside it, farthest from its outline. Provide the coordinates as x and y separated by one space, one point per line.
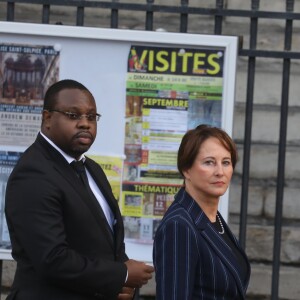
26 71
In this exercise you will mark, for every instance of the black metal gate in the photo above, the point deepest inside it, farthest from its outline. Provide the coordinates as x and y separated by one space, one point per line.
217 12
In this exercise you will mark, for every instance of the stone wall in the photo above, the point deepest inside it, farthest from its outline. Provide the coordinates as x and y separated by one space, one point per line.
265 134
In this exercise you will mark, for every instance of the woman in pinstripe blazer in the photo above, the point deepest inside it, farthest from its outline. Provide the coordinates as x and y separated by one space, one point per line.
195 254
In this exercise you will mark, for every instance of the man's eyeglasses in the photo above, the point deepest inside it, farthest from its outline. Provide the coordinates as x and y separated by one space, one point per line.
75 117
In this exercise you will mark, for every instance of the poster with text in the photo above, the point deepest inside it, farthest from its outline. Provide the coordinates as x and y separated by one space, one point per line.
112 167
145 204
8 160
168 91
26 72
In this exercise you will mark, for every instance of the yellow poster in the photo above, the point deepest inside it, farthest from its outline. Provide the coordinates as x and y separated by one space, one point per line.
112 167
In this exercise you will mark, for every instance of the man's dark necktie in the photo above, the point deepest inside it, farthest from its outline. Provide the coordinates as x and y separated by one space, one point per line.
80 170
78 165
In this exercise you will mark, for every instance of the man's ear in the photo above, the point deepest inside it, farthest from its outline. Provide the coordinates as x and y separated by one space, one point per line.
46 116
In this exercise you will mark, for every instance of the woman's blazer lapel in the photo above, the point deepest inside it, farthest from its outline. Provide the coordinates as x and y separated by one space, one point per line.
223 251
213 238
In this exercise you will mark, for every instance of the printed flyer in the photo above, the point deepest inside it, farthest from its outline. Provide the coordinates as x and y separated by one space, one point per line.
112 167
168 91
8 160
143 206
25 74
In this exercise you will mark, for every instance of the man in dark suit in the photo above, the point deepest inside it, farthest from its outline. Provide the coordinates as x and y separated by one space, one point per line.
67 235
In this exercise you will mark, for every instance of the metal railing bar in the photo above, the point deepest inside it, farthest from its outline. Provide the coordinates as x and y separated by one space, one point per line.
46 14
149 15
168 9
269 54
80 16
10 13
281 156
280 180
184 16
114 17
218 18
248 128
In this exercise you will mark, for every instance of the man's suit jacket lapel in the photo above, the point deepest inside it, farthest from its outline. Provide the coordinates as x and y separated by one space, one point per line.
63 167
104 186
99 179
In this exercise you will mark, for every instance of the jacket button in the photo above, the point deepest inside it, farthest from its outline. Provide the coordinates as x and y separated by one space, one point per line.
98 295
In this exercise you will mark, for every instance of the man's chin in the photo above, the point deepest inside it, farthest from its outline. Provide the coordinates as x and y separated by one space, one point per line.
81 149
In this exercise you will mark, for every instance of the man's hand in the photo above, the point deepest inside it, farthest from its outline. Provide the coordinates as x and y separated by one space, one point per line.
138 273
127 293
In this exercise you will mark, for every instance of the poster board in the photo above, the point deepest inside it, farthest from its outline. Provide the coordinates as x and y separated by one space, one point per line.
100 59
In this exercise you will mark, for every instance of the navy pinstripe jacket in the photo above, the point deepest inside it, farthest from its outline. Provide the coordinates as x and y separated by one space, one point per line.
191 259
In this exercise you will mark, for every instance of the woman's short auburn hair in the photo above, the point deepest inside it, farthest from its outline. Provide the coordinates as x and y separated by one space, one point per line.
192 141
